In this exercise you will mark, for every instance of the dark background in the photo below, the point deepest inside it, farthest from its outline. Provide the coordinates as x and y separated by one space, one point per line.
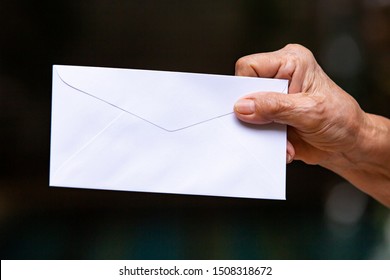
323 218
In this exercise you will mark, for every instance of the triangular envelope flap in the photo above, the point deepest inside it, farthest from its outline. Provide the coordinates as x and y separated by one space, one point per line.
169 100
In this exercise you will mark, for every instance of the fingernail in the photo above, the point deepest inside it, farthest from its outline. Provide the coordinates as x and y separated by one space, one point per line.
245 106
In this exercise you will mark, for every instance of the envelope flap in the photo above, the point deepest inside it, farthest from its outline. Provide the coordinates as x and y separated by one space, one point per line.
169 100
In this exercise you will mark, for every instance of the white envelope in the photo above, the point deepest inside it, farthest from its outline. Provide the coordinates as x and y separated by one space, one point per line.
164 132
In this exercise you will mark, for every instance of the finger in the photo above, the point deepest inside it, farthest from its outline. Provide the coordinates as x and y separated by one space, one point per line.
268 107
291 63
290 152
264 65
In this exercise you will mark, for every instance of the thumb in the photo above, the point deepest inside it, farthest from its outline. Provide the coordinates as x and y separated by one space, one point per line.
267 107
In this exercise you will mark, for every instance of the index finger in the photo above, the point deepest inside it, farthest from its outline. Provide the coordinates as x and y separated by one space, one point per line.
289 63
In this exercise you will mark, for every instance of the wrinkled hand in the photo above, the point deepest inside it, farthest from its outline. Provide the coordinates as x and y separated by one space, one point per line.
323 120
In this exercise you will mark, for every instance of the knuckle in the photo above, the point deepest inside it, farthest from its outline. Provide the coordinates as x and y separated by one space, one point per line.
298 50
241 63
292 60
297 58
316 111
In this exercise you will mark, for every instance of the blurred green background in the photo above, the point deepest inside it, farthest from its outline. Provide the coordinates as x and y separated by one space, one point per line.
324 217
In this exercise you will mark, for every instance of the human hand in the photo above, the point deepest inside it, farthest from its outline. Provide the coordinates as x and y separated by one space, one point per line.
326 126
323 120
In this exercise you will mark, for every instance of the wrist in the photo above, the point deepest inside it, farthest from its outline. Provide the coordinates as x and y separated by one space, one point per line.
372 145
367 163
